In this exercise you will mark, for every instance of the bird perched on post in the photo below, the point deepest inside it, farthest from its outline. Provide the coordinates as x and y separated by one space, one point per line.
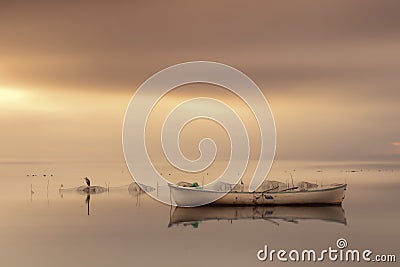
87 181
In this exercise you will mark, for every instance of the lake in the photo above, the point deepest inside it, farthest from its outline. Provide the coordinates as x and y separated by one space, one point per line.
46 228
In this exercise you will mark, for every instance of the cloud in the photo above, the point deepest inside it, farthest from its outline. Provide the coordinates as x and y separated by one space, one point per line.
116 47
329 69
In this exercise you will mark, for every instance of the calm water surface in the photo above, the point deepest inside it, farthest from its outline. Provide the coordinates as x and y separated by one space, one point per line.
49 229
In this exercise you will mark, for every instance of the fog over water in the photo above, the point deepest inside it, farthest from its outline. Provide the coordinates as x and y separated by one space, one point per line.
68 69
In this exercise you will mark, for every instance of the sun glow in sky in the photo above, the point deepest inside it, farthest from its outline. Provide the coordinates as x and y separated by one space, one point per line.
11 96
331 77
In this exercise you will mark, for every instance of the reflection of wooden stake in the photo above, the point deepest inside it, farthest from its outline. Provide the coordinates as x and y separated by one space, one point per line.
157 188
170 196
48 181
31 192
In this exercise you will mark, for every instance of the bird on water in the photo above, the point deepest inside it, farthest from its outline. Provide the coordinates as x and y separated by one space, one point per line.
87 181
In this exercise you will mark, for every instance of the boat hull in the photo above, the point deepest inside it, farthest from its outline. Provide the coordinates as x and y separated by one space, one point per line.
189 197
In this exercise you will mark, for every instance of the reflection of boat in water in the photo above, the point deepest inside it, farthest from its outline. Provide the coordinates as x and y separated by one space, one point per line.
193 216
195 196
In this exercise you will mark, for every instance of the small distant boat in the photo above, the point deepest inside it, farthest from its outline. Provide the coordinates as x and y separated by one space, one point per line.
94 189
84 190
137 189
195 196
193 216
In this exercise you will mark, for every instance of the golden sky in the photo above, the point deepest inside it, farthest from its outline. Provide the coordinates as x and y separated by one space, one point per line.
329 69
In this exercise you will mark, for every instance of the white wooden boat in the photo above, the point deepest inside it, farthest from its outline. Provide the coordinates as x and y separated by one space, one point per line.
193 216
196 196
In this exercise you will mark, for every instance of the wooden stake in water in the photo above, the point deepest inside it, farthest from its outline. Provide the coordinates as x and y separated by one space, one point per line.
291 177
